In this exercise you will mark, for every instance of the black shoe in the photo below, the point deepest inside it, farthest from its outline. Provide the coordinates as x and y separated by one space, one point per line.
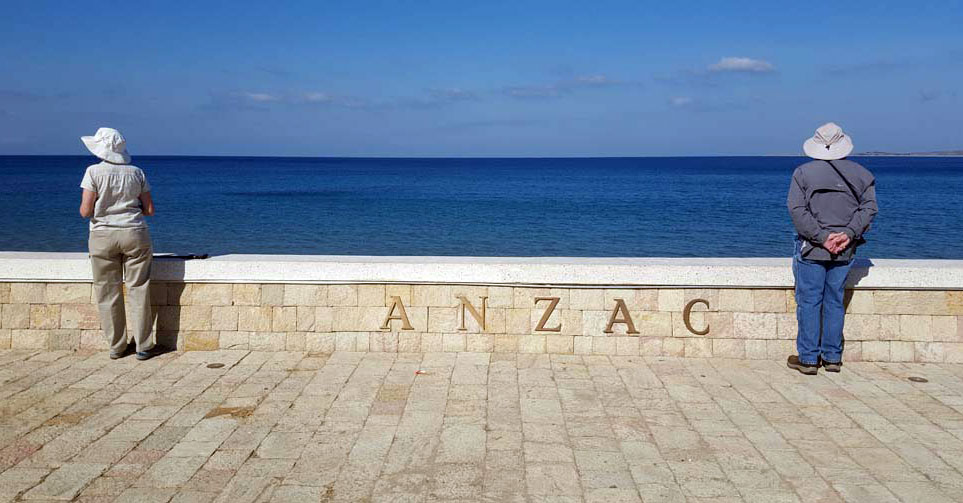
804 368
832 367
150 353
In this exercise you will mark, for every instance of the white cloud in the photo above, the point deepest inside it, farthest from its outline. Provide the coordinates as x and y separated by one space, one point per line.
317 98
743 65
260 97
681 101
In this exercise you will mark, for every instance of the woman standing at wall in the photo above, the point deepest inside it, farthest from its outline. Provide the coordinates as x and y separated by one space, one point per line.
116 197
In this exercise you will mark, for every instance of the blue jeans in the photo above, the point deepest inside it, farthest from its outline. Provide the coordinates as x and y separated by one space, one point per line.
820 287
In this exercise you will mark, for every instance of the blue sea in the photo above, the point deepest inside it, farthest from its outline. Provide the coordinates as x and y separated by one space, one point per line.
619 207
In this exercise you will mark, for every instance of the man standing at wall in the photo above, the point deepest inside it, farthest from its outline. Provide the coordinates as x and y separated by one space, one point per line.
832 202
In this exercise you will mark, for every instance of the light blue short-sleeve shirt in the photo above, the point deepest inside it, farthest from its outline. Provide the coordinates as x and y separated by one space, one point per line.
118 188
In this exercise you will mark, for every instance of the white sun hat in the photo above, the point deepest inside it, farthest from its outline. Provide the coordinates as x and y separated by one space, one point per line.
829 143
108 144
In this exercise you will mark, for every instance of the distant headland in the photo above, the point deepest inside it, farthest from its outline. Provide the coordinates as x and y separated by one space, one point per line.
939 153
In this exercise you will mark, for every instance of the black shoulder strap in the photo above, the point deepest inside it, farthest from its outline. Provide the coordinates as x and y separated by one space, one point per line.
846 181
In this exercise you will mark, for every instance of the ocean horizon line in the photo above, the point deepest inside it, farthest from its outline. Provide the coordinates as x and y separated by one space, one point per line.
336 157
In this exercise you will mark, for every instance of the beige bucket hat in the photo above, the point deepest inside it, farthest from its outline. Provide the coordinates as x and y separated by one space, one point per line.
108 144
829 143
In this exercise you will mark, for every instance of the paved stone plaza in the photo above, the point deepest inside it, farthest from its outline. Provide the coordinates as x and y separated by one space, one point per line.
351 426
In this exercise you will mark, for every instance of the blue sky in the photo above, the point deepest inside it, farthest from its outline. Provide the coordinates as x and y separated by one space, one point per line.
518 78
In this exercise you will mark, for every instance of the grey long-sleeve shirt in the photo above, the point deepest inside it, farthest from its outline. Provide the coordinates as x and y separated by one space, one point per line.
820 203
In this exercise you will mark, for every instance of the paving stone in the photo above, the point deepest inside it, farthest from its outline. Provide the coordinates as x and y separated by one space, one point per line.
66 482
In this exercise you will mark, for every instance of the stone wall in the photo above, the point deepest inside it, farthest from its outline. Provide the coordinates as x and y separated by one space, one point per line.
756 323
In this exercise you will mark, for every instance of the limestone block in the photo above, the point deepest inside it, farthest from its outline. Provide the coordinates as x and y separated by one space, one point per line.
860 302
247 294
371 295
301 295
15 316
453 342
4 293
402 291
480 343
915 328
697 318
445 319
417 316
593 324
501 297
673 347
272 295
284 319
791 301
224 318
431 296
93 339
861 327
698 347
754 325
889 327
346 319
604 346
769 301
268 341
82 316
902 351
756 349
496 320
196 317
212 294
295 341
5 334
780 350
853 351
531 344
519 321
729 348
306 318
944 328
323 319
582 299
29 339
873 351
254 318
650 346
654 323
560 344
720 325
319 343
200 340
953 352
409 342
66 340
929 352
735 300
68 293
507 343
178 294
431 343
954 302
627 346
389 342
582 345
787 326
910 302
234 340
27 293
45 316
343 295
671 299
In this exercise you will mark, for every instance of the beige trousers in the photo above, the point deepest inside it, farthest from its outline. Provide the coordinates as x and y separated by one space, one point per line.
117 255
